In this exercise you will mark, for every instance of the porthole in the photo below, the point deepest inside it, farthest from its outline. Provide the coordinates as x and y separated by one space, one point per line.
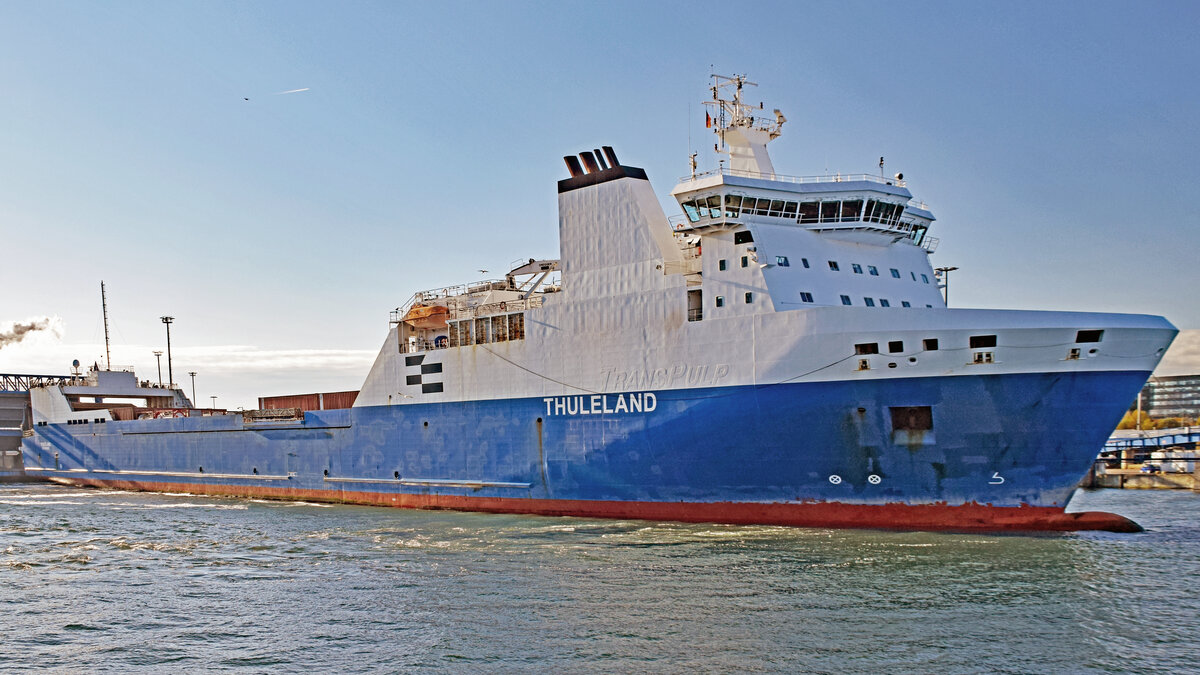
326 472
396 475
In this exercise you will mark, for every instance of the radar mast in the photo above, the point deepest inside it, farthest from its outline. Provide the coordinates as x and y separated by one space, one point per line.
741 134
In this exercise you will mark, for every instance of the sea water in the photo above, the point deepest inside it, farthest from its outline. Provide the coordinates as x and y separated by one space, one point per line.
95 580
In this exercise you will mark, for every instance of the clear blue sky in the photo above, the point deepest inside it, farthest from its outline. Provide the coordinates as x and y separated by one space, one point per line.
1055 142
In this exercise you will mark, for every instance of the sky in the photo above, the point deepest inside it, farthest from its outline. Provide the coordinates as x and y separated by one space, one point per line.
1055 142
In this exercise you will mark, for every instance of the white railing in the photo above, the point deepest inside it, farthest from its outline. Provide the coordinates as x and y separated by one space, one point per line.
832 178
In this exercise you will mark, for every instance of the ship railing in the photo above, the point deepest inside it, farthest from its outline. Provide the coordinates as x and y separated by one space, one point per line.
433 295
930 244
828 178
23 383
494 308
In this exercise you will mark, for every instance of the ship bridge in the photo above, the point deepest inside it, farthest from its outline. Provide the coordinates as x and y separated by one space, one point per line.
754 240
849 203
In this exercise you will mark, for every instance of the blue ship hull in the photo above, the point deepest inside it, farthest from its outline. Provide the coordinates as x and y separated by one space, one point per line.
1003 444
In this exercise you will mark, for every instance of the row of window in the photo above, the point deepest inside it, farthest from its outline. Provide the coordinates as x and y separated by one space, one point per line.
805 296
872 270
894 346
974 342
870 302
487 329
782 261
749 299
826 211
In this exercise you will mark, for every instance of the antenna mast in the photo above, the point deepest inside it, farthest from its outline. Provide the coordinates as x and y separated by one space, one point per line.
104 307
742 130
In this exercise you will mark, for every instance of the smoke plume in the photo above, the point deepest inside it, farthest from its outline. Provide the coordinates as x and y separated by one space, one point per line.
19 329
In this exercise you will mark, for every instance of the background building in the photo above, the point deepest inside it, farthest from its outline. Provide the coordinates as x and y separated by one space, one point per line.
1173 396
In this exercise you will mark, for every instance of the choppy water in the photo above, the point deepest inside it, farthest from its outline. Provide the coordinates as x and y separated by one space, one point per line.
95 580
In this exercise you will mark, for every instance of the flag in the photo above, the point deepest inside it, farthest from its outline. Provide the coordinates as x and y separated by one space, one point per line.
707 120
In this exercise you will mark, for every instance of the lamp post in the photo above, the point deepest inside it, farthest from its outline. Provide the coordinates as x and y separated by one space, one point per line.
943 272
170 375
158 357
193 374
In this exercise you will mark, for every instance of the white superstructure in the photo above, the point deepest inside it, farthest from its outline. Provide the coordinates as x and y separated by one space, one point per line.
762 278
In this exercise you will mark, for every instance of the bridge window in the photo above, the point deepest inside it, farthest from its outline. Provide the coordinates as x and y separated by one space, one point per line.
732 204
809 211
692 213
830 211
743 237
789 210
851 209
805 296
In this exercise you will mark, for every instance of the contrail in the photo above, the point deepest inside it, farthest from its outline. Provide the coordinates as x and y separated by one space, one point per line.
290 91
19 330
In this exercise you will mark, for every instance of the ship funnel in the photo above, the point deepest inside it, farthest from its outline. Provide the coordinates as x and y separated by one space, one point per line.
600 159
573 166
612 156
589 162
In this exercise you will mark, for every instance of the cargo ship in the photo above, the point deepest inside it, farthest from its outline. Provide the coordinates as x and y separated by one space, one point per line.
778 352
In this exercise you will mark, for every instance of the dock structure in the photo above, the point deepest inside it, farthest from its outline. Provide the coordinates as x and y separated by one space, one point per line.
1149 459
14 418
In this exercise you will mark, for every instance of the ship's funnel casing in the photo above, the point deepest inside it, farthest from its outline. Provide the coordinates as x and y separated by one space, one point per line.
614 236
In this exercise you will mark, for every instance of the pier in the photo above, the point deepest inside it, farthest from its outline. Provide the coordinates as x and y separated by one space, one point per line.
14 418
1163 459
